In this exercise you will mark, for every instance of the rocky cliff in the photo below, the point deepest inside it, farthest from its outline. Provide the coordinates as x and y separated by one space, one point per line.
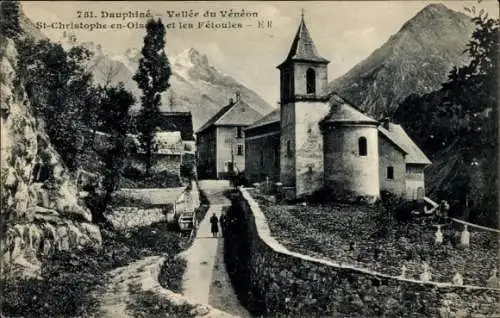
415 60
40 208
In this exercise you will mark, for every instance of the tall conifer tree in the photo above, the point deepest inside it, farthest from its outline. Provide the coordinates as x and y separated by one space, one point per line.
152 78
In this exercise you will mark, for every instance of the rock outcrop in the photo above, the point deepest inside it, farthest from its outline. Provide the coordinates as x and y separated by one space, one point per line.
40 208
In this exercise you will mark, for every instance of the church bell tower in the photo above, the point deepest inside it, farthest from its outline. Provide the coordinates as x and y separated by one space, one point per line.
304 102
303 74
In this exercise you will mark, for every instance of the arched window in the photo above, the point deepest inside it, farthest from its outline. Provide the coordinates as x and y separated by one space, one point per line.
362 146
311 81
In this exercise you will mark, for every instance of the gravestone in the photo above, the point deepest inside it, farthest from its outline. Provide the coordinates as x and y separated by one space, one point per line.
465 237
438 236
458 279
493 281
403 272
426 276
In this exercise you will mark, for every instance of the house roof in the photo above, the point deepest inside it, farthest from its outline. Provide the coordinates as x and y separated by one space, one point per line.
303 48
270 118
238 113
396 134
341 112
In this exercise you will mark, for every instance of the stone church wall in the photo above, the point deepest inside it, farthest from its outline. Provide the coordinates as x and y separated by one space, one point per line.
309 146
300 70
287 158
348 173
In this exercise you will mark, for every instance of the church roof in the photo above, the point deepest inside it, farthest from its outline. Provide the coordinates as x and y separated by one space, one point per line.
272 117
238 113
341 112
303 48
396 134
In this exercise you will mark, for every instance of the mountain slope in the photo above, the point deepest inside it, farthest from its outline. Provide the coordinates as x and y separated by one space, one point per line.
416 60
196 86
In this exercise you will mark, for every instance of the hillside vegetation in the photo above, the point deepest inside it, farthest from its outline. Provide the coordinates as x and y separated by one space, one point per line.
457 126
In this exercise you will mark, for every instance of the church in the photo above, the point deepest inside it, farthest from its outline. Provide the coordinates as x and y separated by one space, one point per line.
317 140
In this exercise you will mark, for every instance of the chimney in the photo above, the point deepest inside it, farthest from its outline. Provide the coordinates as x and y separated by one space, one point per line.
237 96
231 102
386 122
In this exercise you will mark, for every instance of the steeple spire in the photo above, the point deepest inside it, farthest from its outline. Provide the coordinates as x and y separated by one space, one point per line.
303 48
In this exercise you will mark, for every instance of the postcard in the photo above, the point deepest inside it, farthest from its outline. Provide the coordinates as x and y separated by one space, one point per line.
249 159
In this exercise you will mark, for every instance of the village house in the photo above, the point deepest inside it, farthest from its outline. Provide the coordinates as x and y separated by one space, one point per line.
171 126
168 151
182 122
318 140
220 141
175 121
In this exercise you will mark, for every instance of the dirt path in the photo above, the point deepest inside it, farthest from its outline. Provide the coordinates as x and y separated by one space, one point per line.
206 280
118 294
140 277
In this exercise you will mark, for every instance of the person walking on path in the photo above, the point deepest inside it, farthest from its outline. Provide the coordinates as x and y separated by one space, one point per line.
222 224
215 226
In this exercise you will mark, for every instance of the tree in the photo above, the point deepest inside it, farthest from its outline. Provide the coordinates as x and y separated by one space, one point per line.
9 18
61 93
152 78
115 112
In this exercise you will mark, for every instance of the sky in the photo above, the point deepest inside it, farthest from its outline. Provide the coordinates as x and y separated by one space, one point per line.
345 32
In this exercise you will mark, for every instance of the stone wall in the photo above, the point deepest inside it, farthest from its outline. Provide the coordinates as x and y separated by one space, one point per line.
347 172
287 145
300 81
309 170
273 281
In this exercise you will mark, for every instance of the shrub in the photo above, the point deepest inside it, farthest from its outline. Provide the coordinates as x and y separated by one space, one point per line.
150 305
134 178
171 273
